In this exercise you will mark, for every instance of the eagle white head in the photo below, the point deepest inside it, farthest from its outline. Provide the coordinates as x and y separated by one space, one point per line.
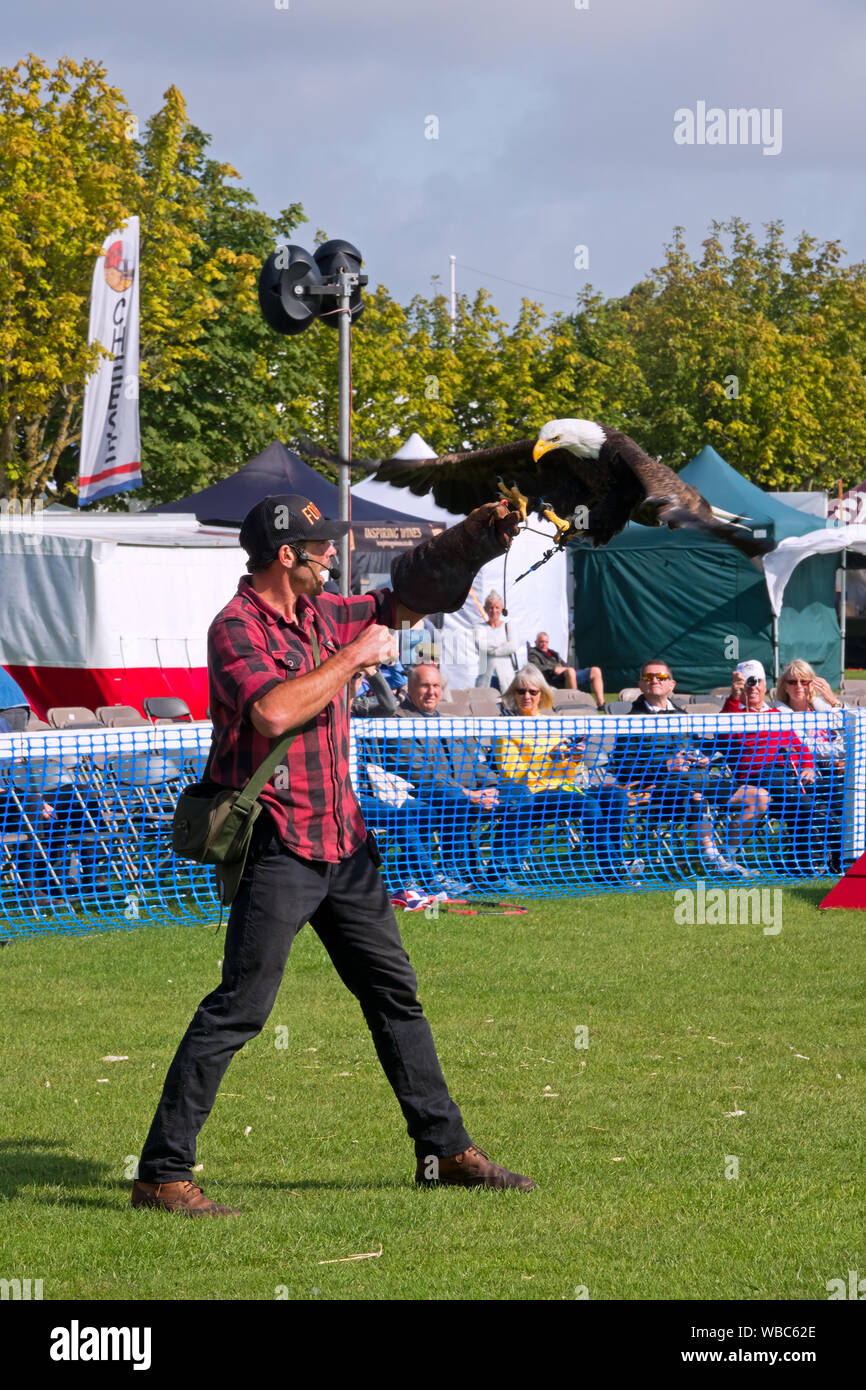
581 437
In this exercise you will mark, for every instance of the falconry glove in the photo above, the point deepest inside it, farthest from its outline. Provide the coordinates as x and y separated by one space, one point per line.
437 575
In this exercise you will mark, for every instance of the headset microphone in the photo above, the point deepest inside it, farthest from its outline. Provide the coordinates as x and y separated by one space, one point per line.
332 570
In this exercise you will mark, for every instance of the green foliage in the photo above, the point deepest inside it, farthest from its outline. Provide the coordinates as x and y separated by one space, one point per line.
71 171
224 402
756 349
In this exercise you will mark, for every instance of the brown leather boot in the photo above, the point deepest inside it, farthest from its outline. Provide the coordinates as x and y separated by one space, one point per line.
472 1168
184 1197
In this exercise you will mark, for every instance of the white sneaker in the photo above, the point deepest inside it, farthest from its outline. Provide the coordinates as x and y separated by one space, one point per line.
719 863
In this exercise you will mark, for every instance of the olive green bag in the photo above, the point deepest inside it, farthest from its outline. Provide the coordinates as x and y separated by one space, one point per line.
216 827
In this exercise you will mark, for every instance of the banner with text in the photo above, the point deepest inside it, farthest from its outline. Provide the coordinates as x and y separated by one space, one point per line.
110 439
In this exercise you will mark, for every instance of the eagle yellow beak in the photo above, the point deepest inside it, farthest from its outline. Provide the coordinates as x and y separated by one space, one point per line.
542 446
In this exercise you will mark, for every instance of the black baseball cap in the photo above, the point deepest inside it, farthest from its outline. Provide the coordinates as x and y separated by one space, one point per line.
289 517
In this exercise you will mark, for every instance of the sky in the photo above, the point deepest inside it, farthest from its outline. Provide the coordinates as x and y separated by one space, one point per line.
505 132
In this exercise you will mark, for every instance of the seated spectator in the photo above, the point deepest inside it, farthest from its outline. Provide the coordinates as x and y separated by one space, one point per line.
670 773
554 773
776 762
800 690
371 696
657 685
497 656
563 677
455 788
14 706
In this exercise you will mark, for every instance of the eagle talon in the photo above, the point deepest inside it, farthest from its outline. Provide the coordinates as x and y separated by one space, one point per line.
513 495
565 530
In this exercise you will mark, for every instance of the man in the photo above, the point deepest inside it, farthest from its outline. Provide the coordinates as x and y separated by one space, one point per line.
279 657
775 768
657 685
668 774
455 787
562 677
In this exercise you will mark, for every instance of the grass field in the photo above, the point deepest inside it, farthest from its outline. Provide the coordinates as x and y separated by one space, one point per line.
628 1138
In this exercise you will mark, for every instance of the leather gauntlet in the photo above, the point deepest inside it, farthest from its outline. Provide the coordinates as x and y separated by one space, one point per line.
437 575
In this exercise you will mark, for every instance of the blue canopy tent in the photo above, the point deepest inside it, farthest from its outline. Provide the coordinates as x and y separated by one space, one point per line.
277 470
698 603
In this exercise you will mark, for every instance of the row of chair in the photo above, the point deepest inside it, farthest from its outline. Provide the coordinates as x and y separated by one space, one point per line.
159 709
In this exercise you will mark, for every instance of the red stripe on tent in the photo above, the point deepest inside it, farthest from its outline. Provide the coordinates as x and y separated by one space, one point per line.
850 891
46 686
108 473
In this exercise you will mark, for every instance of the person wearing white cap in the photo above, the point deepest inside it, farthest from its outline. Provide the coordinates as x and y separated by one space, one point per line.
775 767
749 686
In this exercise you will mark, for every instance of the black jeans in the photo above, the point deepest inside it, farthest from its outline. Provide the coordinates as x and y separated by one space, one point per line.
347 905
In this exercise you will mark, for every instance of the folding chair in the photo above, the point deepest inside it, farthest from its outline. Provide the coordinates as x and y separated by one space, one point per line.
116 716
145 789
62 834
564 698
569 699
69 716
167 707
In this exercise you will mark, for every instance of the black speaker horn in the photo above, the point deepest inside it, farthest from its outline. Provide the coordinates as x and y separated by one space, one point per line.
287 269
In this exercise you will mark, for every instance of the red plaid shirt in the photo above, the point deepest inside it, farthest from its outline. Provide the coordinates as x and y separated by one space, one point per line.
252 649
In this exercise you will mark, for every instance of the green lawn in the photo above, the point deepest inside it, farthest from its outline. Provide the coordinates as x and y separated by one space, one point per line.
628 1138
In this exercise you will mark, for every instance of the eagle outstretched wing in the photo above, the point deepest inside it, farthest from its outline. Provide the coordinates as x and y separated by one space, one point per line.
614 482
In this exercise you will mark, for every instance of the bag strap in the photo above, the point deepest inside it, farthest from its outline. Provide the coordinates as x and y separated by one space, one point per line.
268 766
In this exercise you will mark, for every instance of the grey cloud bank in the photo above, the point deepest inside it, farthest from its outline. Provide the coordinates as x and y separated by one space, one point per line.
555 125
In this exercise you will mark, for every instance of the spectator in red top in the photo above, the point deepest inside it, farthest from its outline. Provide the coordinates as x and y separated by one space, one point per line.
281 654
776 761
765 752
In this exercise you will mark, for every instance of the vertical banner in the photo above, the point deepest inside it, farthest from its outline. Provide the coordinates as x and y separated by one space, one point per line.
110 441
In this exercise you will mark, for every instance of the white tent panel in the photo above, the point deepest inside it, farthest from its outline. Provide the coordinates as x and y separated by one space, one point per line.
89 604
780 564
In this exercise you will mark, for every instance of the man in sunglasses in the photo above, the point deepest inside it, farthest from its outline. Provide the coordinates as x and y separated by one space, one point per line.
280 655
668 774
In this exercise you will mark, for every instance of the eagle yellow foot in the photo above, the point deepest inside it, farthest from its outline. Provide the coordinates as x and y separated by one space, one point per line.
515 497
564 529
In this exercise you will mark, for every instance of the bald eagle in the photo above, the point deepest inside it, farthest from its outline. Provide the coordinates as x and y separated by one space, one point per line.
588 479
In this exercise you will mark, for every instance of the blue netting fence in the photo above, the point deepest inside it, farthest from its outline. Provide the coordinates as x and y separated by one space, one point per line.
539 808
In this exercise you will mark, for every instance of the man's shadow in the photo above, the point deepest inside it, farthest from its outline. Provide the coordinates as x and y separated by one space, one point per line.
40 1162
32 1161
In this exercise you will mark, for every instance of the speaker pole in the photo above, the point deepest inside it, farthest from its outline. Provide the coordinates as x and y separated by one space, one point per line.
345 284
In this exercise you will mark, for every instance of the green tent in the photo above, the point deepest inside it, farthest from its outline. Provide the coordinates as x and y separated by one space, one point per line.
697 602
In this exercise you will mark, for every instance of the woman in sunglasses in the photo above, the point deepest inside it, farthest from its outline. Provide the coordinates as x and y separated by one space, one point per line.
801 690
550 781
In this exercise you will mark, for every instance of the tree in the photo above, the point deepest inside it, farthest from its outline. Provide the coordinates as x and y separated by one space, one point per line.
756 349
70 172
